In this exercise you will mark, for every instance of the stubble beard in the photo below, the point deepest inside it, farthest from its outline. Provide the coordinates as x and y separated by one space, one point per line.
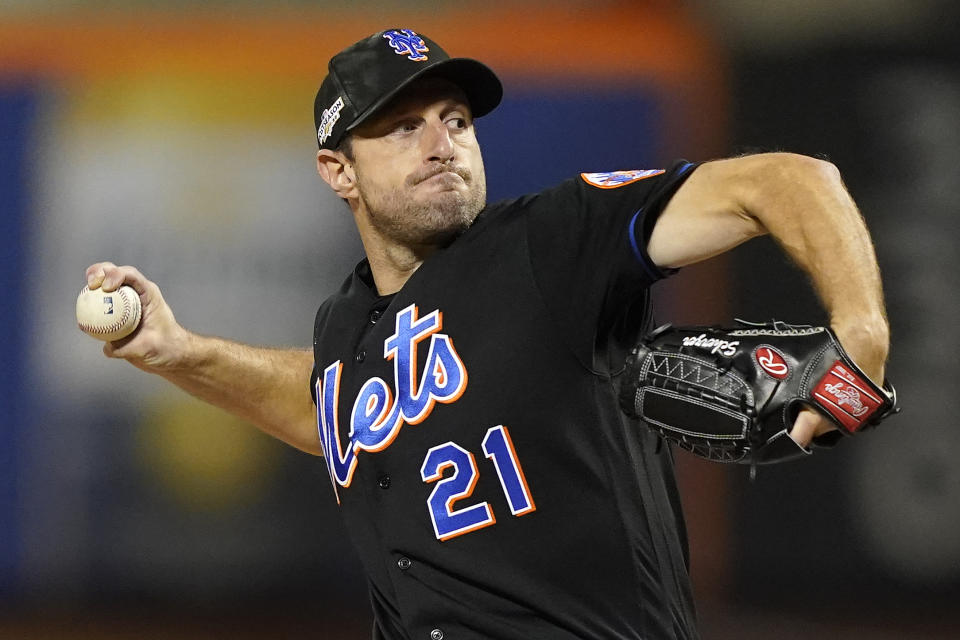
395 214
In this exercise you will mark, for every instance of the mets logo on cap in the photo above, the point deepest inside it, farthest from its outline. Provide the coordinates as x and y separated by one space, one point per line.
407 43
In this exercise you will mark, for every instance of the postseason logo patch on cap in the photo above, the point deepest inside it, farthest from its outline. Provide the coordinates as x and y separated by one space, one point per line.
328 119
407 43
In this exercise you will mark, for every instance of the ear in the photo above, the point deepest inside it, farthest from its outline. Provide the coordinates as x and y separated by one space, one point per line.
337 171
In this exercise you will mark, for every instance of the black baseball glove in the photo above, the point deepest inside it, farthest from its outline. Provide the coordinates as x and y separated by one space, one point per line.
732 394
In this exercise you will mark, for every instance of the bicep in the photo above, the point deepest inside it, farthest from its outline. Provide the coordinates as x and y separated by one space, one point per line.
706 216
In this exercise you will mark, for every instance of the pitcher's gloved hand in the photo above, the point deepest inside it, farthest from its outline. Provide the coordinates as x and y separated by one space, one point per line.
733 394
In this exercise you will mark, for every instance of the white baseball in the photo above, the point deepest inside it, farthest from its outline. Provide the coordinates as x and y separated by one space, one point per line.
108 316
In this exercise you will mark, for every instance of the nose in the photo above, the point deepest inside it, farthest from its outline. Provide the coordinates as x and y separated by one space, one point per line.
438 145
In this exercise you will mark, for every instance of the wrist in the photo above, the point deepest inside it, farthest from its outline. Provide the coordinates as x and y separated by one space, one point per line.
185 351
867 341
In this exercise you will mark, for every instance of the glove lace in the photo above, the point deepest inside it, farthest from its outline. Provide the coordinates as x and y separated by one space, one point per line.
756 431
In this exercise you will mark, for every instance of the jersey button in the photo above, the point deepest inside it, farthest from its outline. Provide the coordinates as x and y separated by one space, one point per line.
384 482
436 634
375 315
361 355
404 563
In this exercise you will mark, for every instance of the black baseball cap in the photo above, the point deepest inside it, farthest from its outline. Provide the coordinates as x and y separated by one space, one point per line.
365 76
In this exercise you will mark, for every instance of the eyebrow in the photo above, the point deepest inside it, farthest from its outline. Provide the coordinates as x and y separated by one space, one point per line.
408 109
401 111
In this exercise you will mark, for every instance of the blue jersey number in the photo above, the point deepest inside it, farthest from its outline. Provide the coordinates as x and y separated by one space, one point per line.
498 447
449 522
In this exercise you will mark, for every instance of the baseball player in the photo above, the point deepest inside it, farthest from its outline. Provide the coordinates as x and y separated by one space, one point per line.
464 377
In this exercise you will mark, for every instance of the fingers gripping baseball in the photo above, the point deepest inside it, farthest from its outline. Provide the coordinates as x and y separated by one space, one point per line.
159 341
109 277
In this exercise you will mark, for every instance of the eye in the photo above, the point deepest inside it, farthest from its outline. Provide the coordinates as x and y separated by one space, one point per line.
457 122
405 126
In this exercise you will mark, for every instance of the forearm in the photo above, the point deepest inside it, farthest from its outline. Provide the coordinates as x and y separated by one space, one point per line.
804 205
267 387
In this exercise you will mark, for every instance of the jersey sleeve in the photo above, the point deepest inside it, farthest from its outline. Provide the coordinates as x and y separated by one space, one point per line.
588 247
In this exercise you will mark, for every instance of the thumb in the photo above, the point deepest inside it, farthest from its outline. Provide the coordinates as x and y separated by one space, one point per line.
113 348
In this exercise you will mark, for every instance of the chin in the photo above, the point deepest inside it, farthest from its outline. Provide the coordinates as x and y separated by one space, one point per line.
444 234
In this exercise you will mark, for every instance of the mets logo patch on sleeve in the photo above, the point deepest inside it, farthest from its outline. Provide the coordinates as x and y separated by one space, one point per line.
613 179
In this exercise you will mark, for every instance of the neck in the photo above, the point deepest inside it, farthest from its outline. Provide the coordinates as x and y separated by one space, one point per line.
392 265
391 262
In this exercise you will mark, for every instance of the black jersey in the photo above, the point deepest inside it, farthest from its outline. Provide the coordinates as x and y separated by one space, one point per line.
470 426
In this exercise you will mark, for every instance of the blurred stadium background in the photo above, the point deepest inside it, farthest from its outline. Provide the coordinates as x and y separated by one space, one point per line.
177 136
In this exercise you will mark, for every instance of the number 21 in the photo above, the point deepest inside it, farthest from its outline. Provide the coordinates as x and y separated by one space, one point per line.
449 522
